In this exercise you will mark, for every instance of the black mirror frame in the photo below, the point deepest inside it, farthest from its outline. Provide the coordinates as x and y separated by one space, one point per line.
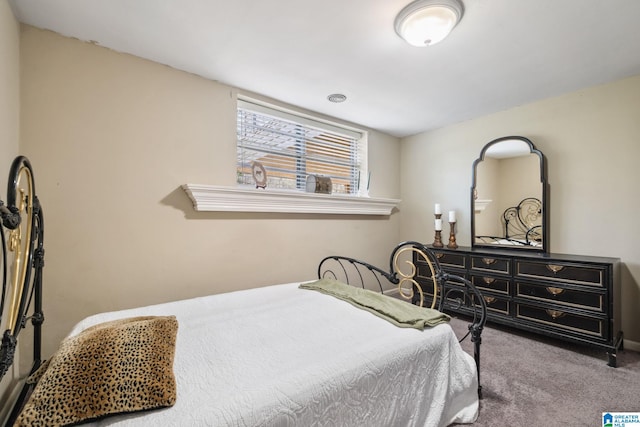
545 198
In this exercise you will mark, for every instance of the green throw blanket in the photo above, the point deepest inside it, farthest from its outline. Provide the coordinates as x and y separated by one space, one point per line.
398 312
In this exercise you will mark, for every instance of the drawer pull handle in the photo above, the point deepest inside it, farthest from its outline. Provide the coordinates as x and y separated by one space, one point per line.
554 291
439 255
489 300
488 280
554 268
489 261
555 314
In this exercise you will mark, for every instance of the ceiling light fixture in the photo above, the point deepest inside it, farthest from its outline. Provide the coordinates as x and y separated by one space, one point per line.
427 22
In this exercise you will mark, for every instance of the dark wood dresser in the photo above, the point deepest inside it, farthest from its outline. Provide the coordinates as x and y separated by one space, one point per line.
569 297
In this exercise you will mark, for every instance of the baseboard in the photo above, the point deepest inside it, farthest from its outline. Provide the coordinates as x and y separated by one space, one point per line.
395 293
632 345
391 292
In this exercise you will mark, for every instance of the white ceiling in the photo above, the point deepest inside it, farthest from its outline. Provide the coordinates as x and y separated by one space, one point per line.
502 54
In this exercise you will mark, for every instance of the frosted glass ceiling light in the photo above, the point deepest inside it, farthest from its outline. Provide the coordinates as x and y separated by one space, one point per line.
427 22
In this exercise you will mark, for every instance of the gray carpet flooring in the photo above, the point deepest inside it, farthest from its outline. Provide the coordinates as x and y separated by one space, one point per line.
529 380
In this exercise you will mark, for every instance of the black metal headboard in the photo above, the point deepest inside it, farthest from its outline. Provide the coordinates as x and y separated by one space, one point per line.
22 216
521 224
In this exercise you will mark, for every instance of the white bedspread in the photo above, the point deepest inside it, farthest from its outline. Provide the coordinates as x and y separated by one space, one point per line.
283 356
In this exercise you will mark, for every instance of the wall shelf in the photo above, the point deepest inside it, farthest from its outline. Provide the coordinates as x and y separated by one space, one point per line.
213 198
480 205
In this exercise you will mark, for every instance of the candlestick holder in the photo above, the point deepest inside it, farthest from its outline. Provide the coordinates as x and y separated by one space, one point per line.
437 240
452 237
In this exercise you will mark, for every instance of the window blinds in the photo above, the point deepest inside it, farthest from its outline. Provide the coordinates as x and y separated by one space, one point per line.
291 147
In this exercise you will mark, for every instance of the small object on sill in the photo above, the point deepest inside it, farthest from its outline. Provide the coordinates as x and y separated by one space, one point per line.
318 184
259 174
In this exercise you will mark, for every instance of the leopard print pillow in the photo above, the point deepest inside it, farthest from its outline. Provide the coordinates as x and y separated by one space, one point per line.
115 367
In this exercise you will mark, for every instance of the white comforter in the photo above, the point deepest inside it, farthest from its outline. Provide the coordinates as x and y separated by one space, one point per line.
282 356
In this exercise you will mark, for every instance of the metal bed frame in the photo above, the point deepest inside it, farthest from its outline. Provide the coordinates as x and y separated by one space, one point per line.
21 299
517 222
22 291
449 291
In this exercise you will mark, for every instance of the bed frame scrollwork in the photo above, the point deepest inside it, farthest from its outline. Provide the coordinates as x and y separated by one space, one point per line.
521 224
22 216
409 260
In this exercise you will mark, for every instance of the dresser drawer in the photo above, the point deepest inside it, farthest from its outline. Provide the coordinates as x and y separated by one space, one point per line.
497 305
567 297
452 259
428 300
423 271
563 320
492 264
566 273
455 294
494 284
425 282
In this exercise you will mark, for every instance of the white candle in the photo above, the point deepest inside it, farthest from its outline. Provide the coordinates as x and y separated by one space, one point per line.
438 209
452 216
438 225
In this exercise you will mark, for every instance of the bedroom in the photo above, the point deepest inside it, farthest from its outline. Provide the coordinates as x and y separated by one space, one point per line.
113 137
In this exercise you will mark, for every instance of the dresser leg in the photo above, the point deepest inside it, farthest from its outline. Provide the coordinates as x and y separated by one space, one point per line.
613 354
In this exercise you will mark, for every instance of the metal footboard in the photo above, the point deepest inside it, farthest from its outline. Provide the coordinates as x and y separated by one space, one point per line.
411 266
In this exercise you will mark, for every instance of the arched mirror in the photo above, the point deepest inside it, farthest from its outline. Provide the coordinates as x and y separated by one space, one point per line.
509 207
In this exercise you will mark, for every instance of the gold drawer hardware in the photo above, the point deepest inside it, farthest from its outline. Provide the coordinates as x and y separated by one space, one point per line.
488 280
554 268
489 300
439 255
555 314
554 291
489 261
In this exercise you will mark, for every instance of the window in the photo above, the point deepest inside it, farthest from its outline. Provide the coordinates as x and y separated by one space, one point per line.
291 146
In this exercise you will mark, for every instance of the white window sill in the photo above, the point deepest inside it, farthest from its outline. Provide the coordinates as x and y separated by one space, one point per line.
243 199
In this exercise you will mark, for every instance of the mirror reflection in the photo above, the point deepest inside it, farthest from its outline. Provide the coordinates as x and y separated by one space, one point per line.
508 196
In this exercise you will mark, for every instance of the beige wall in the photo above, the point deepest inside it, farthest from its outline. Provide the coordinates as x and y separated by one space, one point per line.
9 126
9 90
488 188
591 141
111 138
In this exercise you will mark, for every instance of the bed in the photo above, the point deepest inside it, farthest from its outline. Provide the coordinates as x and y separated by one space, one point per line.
521 224
331 349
